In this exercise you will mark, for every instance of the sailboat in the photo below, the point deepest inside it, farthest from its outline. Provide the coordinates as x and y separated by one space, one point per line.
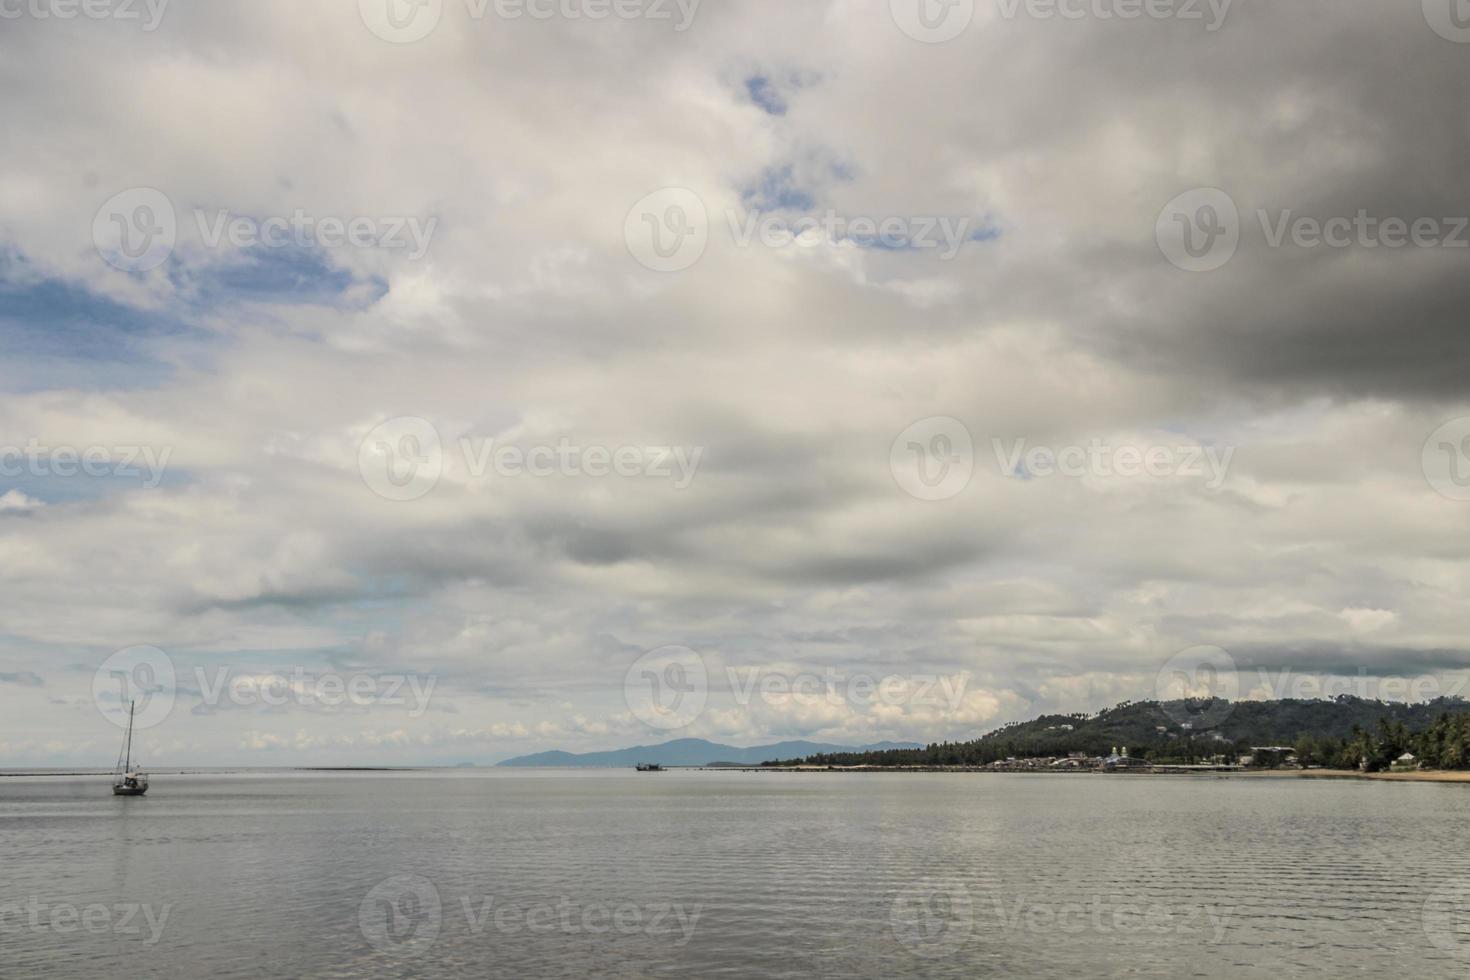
127 780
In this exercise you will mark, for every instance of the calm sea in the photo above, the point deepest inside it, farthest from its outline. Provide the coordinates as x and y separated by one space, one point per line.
751 875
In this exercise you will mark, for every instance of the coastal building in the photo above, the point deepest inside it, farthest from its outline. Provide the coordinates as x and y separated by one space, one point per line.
1122 760
1269 755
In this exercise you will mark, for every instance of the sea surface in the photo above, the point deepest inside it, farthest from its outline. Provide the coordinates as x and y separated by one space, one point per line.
524 874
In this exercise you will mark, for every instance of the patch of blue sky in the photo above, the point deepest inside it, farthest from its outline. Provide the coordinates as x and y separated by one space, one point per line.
925 233
777 190
59 334
41 315
282 275
68 477
765 95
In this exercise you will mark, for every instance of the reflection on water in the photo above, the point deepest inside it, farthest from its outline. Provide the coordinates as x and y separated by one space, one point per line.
574 874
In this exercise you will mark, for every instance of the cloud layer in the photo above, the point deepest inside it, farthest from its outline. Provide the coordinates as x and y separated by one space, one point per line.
240 513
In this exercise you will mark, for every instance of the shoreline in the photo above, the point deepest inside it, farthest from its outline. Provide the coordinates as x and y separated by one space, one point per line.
1417 776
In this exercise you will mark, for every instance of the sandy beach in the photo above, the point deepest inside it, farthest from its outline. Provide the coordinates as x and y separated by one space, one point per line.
1422 776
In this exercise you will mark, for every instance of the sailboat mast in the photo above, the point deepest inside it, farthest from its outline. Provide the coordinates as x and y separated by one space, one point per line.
128 752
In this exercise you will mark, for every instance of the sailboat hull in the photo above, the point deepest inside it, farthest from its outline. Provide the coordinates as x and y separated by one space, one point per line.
126 779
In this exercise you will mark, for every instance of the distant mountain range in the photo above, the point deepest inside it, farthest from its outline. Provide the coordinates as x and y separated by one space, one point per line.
696 752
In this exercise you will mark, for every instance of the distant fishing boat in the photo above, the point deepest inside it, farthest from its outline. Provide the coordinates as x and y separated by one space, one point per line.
127 780
649 767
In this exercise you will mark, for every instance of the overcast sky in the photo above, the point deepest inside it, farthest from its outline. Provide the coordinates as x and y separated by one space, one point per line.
463 353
